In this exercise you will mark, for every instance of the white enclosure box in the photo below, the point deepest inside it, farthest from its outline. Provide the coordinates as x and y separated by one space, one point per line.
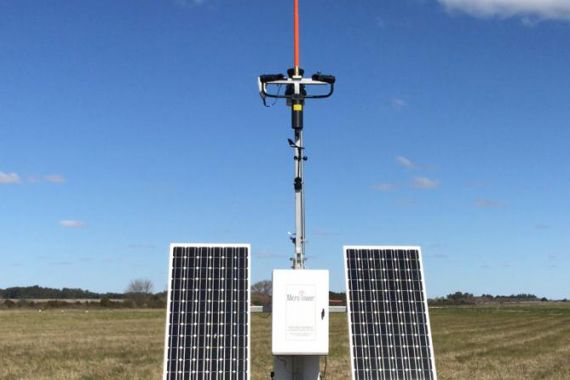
300 312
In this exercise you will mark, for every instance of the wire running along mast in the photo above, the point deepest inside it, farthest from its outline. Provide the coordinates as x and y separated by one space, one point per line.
295 95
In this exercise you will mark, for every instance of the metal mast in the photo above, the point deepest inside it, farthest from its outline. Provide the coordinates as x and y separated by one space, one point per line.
297 124
295 94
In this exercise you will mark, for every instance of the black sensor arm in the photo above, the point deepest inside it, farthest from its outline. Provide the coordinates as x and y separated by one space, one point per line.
317 79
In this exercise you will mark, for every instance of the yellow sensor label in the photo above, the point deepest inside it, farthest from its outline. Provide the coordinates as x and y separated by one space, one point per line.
297 107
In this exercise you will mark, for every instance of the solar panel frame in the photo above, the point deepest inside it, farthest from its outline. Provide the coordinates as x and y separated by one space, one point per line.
346 248
169 298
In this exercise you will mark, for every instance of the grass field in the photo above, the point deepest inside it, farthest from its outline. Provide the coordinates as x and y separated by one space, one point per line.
508 342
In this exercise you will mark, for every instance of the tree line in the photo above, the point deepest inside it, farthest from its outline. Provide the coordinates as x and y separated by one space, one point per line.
139 293
39 292
460 298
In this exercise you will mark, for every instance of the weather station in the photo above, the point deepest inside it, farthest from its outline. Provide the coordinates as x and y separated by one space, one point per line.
300 317
208 324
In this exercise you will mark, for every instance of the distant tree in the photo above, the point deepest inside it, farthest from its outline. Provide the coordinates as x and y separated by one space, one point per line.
139 286
261 293
106 302
264 287
337 298
157 301
139 292
437 301
524 296
460 298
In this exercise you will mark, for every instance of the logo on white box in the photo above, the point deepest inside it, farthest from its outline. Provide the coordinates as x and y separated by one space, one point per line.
301 311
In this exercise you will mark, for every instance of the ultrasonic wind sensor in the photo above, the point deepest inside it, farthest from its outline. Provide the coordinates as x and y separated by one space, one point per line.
295 94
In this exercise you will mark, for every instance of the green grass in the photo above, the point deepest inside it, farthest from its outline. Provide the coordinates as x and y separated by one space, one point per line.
508 342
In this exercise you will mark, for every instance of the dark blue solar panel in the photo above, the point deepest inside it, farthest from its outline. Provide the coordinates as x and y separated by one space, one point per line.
387 314
208 329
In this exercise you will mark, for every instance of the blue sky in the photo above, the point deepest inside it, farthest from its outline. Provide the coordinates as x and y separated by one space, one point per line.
127 125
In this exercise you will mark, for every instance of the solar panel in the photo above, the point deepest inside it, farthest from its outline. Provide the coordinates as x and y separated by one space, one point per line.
208 317
388 319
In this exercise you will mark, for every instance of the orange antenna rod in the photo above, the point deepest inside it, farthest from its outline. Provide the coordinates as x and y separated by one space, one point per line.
296 34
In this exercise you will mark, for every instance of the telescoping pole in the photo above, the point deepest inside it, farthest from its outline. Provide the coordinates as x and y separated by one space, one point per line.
297 104
299 260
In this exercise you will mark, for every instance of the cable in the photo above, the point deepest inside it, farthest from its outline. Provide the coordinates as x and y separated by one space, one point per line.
279 86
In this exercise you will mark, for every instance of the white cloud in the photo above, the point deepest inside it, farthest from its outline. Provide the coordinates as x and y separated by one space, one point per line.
384 186
60 263
406 162
398 104
541 9
72 223
55 178
13 178
406 202
488 203
189 3
425 183
9 178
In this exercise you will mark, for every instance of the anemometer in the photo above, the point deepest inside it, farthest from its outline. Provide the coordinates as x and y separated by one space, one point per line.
296 92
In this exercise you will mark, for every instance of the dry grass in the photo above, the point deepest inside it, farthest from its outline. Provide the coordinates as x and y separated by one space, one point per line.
73 344
521 342
515 342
